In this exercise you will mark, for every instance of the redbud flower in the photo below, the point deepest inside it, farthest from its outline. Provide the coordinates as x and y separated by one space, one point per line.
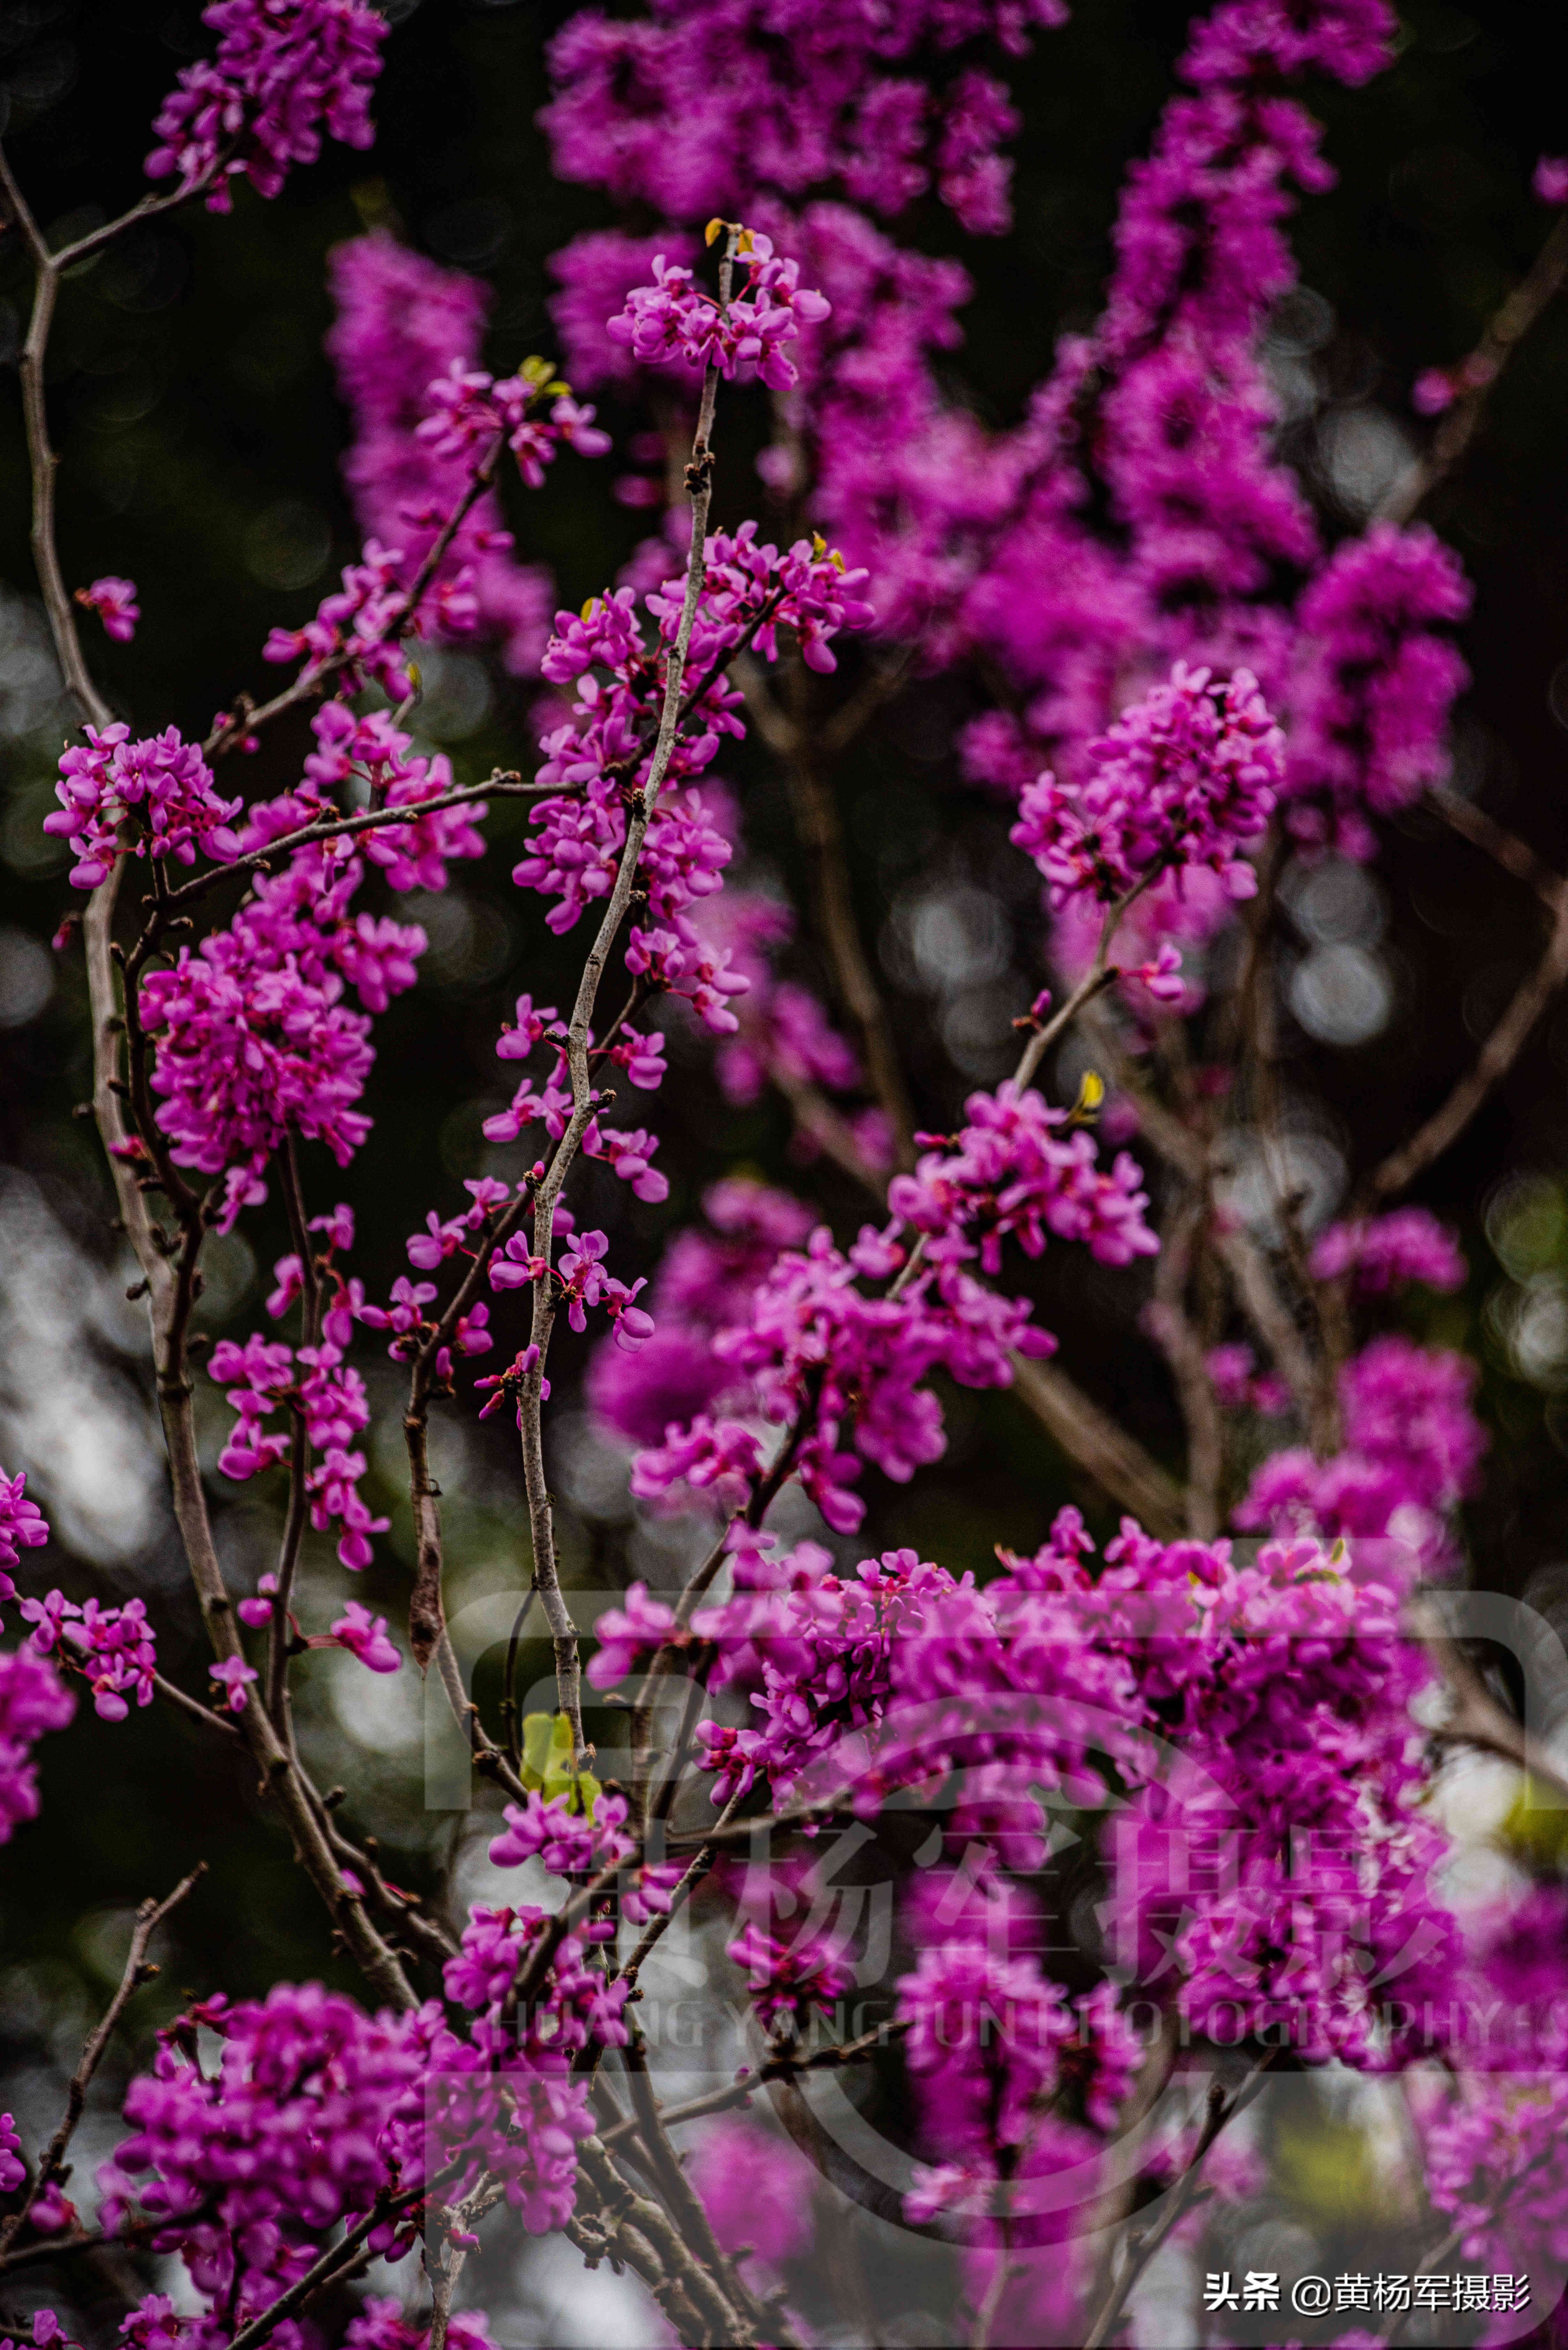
234 1673
1432 391
259 1611
282 67
367 1639
114 601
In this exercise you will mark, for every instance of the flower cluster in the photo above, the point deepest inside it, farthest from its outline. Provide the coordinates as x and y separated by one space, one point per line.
471 415
584 1844
690 112
1385 1252
704 1283
32 1699
787 1981
358 629
814 1649
984 2041
402 324
1502 2119
1412 1448
1374 684
1019 1165
282 68
1270 1858
1240 1386
22 1527
756 2188
821 1357
629 1152
326 1399
602 756
163 785
674 318
580 1280
1184 777
819 1354
312 2110
113 1648
13 2170
252 1035
508 2092
114 601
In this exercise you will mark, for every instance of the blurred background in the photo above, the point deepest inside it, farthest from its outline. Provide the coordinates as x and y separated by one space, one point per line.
201 438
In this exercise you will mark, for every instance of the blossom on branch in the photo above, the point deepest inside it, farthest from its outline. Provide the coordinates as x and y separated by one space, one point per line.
114 601
282 68
1185 777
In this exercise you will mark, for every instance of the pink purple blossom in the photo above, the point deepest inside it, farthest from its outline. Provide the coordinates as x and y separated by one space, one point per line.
690 113
1184 777
33 1700
325 1397
704 1282
1412 1448
22 1527
404 323
1375 682
756 2188
851 1366
113 1648
163 785
1019 1165
114 601
1383 1253
283 67
676 318
366 1637
254 1037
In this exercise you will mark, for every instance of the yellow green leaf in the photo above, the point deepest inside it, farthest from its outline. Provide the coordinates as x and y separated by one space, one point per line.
1091 1094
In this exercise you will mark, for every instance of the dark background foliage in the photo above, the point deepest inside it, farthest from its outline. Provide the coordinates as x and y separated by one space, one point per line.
201 440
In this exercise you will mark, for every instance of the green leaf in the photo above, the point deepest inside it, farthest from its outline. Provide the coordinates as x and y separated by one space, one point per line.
547 1763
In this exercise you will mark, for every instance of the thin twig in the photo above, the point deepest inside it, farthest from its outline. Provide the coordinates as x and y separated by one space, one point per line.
1505 332
1491 1065
51 2162
196 1709
335 2262
1484 832
1143 2246
1476 1718
1183 1350
505 785
232 730
777 2067
546 1574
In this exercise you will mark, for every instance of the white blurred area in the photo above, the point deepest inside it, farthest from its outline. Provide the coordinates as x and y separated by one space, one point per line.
69 1414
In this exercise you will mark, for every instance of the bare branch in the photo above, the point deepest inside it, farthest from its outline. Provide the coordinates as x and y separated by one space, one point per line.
1143 2245
782 2065
1491 1065
503 785
1505 332
196 1709
51 2162
1510 852
1183 1350
338 2261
